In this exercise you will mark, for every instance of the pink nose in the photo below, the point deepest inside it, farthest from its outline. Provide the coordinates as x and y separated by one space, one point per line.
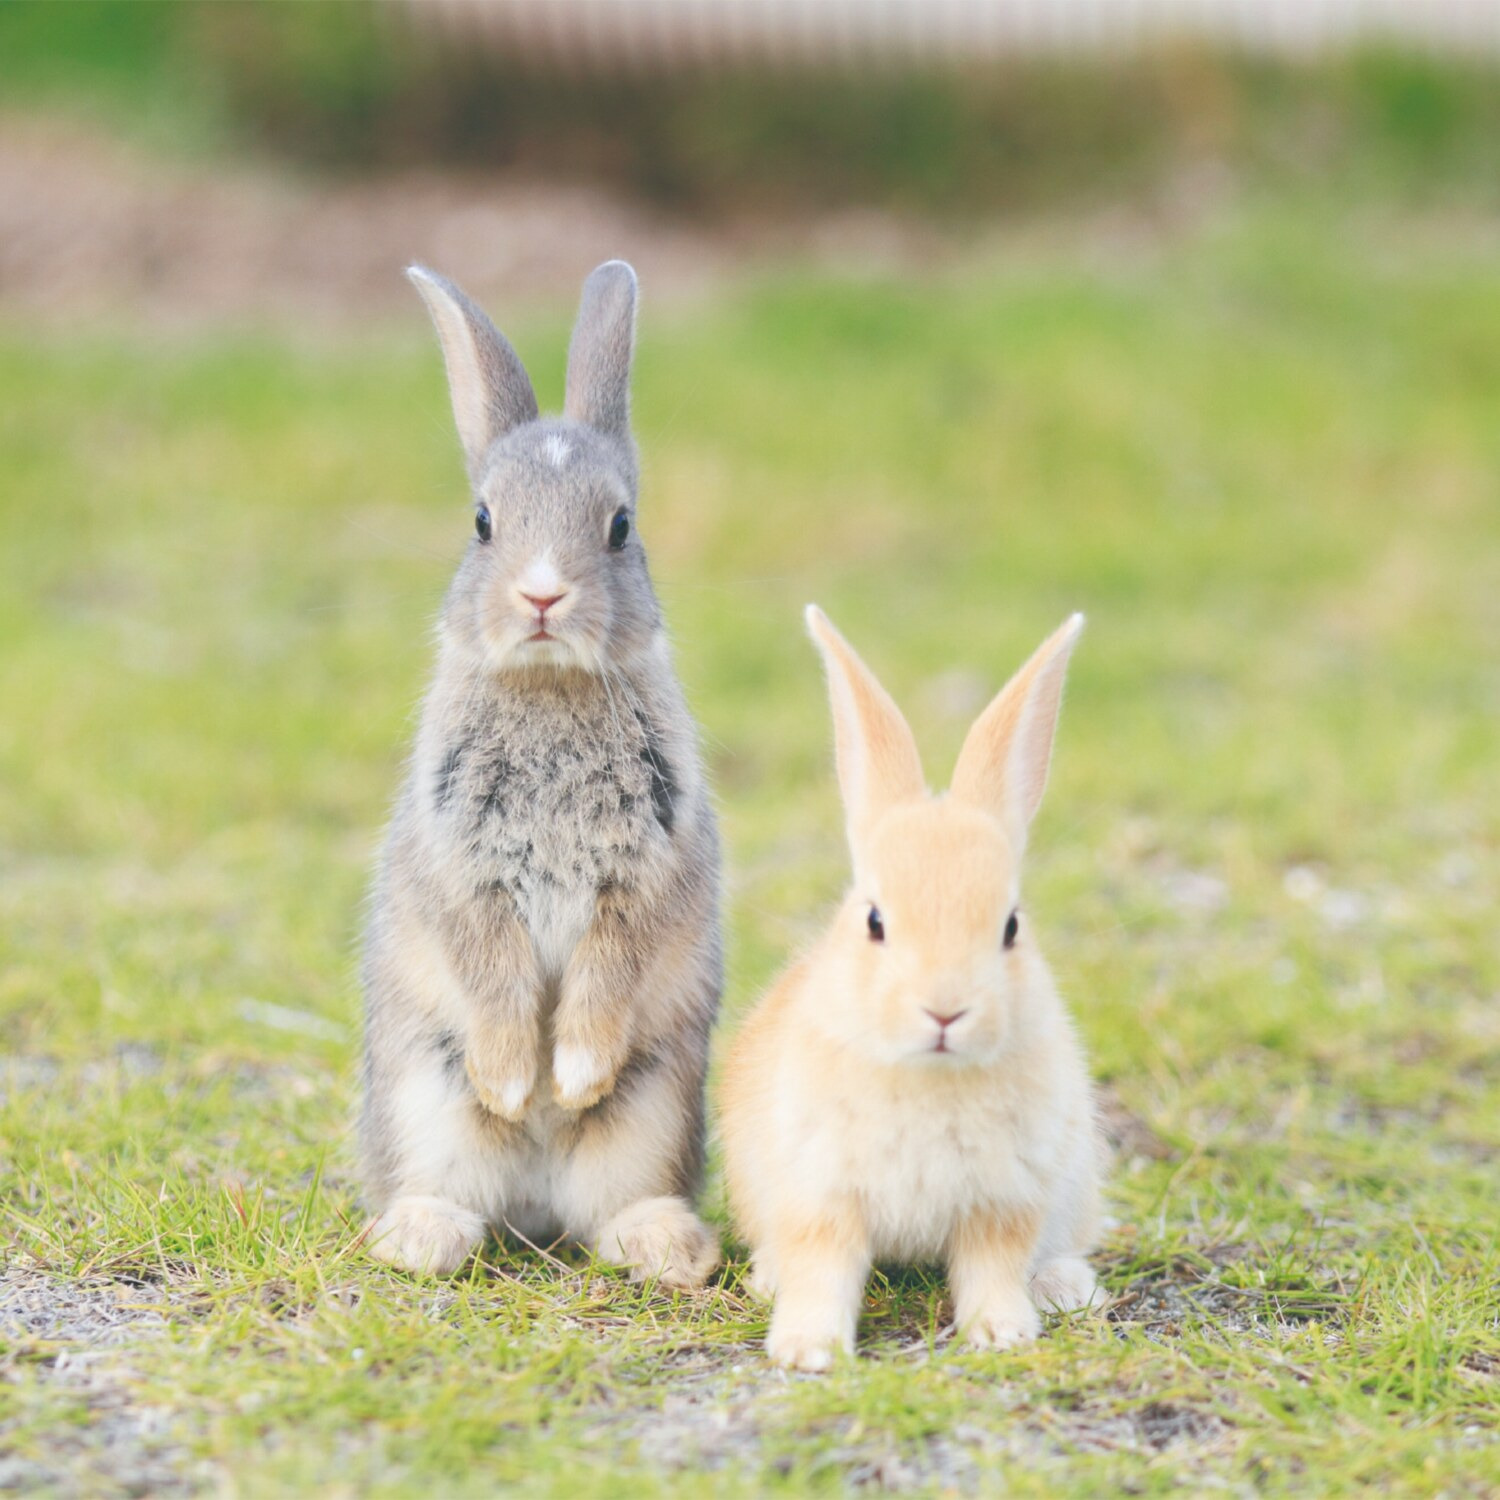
946 1021
542 605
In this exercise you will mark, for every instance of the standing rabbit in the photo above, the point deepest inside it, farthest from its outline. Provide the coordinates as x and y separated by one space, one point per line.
543 959
913 1088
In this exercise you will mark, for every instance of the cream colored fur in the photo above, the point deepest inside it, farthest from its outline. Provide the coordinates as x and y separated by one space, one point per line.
848 1136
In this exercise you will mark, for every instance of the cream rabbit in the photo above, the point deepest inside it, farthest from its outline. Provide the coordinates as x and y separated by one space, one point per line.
913 1089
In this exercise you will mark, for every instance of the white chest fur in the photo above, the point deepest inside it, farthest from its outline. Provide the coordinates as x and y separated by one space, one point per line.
917 1154
556 916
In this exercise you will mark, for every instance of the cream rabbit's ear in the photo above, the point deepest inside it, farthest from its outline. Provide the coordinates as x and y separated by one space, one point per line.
878 764
488 384
1003 764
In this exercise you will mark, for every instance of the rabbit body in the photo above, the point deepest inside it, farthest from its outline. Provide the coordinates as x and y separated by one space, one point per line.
913 1089
543 963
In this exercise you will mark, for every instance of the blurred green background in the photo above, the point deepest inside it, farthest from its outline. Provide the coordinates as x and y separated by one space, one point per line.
1202 341
356 85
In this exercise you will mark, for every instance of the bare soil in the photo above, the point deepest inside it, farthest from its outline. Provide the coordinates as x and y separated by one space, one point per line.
95 230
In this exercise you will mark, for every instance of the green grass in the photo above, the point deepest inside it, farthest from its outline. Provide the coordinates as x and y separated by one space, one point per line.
1266 463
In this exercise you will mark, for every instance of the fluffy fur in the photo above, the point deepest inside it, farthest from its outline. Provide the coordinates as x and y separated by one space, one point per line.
913 1089
542 964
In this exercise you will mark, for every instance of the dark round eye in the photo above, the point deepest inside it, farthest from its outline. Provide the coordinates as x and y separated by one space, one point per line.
876 926
482 527
619 529
1012 927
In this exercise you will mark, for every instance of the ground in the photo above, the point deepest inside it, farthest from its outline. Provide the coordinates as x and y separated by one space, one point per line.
1262 455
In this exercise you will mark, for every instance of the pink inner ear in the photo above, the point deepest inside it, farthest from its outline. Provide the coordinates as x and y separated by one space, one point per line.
1003 764
878 764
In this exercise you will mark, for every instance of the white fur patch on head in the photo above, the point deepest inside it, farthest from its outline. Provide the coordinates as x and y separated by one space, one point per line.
556 449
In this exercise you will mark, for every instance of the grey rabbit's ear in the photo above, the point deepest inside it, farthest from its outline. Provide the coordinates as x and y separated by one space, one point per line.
599 357
489 386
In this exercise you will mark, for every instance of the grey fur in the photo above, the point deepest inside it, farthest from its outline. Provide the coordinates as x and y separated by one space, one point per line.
599 356
548 892
490 387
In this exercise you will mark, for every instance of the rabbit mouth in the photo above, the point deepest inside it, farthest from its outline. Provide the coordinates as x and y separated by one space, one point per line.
542 649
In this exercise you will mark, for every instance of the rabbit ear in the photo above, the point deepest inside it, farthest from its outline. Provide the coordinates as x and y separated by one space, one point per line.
1003 764
490 388
598 392
877 757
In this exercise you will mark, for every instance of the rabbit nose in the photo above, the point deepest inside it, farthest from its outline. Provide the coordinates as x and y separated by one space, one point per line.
944 1022
543 605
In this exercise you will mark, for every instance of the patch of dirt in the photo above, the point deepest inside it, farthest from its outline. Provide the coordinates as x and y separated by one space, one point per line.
22 1072
725 1414
1219 1285
43 1311
77 1338
725 1404
93 230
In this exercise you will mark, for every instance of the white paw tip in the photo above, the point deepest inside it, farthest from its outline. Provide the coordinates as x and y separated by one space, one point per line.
513 1096
575 1071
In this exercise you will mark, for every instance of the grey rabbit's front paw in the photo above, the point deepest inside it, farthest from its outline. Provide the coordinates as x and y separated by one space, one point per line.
582 1076
501 1062
589 1038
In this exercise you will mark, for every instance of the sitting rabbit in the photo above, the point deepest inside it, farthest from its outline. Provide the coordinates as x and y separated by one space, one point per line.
913 1089
543 958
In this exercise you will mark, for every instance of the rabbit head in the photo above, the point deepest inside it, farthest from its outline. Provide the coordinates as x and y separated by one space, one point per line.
929 952
555 576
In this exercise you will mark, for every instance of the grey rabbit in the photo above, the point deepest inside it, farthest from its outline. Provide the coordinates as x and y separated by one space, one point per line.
543 960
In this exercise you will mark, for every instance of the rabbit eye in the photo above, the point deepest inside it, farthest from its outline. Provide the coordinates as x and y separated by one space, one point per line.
482 528
619 529
876 926
1012 927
